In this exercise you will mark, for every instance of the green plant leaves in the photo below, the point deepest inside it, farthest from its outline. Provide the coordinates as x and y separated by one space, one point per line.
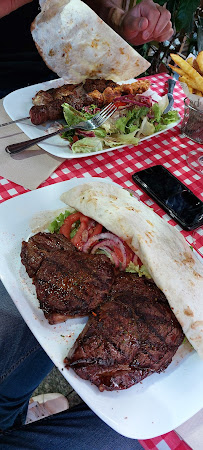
184 14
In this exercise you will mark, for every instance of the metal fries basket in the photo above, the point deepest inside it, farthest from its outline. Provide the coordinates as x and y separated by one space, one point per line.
192 125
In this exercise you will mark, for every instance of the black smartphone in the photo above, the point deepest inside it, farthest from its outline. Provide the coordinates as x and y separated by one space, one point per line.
172 195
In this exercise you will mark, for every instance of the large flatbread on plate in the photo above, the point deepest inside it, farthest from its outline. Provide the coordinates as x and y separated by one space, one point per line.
77 44
172 264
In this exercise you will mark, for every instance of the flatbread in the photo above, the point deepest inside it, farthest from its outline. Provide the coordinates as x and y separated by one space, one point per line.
172 264
77 44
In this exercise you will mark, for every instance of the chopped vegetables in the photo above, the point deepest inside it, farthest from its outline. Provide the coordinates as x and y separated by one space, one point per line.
55 226
78 228
137 116
90 237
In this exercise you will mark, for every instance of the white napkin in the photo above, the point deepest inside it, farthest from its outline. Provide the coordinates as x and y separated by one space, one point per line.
192 431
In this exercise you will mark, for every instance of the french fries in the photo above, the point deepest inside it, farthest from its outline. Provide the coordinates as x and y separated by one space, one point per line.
190 71
177 70
199 61
190 61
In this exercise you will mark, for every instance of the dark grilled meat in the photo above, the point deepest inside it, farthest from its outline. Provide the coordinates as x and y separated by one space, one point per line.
53 110
43 113
131 336
99 85
68 282
48 104
37 248
45 97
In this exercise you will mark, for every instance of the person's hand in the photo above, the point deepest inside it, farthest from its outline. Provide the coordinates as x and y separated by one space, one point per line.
7 6
146 22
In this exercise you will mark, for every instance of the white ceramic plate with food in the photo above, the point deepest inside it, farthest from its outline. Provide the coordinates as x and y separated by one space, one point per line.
153 407
17 104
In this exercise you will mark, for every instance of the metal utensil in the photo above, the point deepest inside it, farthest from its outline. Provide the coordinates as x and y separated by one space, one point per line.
13 121
88 125
171 85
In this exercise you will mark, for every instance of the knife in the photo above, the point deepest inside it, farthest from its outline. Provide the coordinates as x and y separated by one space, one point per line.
13 121
171 85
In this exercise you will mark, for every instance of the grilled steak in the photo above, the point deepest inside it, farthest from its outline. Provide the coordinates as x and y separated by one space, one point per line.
129 337
98 84
48 104
68 283
37 248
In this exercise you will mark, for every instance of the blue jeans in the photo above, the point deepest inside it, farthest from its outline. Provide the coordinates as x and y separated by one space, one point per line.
23 365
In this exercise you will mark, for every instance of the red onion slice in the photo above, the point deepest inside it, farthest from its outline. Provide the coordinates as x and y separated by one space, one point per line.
114 241
111 255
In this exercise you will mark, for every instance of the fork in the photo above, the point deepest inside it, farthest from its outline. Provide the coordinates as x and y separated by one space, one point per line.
171 85
88 125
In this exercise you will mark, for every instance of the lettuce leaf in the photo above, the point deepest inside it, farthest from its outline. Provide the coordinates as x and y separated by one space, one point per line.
120 139
147 128
87 145
170 117
131 121
163 103
140 270
157 112
72 116
55 226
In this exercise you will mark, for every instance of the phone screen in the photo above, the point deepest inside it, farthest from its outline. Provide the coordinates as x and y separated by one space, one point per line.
172 195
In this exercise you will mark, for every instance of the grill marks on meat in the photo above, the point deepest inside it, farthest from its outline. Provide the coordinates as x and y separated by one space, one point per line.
132 335
48 104
38 247
68 283
98 84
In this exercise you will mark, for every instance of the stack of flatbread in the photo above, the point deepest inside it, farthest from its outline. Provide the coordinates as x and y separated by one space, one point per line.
172 264
77 44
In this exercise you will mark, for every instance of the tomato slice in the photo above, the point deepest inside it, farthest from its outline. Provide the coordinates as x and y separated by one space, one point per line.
129 254
87 226
67 225
97 229
119 103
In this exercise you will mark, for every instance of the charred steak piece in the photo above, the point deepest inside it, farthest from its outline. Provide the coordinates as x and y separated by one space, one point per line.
131 336
48 104
36 249
68 282
98 84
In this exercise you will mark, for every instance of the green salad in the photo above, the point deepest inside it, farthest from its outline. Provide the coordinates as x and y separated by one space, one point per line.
134 119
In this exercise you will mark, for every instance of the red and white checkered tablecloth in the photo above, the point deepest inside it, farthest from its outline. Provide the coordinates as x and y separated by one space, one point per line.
168 149
168 441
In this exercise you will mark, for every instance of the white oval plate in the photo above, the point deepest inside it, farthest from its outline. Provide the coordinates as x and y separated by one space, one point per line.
17 104
153 407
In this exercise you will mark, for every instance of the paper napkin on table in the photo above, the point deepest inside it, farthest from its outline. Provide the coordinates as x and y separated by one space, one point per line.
192 431
29 168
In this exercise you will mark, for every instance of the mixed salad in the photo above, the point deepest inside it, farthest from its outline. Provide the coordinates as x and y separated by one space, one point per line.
89 236
137 116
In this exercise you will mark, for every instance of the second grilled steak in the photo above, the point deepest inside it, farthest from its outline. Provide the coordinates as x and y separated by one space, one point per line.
131 336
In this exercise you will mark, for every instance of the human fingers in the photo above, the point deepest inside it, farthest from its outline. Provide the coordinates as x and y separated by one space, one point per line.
138 39
163 22
148 9
7 6
165 34
132 26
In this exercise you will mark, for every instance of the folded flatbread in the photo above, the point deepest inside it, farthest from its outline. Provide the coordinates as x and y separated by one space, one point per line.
172 264
77 44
